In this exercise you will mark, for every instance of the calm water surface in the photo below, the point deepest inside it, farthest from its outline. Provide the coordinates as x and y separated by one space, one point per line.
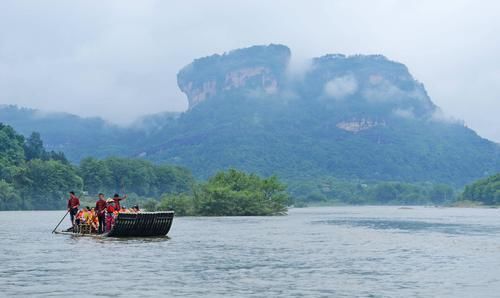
312 252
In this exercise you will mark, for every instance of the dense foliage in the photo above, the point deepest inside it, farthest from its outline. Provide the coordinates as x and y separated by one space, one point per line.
354 118
77 137
133 176
33 178
231 193
485 191
329 191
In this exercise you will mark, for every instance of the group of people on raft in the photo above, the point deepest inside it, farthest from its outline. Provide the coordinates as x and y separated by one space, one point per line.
100 218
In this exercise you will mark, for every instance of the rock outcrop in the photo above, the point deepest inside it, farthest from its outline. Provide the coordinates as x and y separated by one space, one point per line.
370 80
357 125
258 68
351 117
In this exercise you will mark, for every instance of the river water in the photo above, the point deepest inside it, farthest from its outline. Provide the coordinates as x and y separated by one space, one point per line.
312 252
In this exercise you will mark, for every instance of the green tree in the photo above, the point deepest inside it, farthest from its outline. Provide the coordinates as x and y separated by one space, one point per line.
11 147
95 174
385 193
181 204
131 175
33 148
48 182
9 197
486 191
237 193
441 193
170 179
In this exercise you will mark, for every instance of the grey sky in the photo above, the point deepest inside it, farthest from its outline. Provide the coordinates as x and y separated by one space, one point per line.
119 59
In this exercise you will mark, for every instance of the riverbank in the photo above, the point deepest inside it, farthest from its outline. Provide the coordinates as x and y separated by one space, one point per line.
471 204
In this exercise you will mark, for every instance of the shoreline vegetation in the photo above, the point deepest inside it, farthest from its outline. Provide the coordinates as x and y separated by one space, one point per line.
32 178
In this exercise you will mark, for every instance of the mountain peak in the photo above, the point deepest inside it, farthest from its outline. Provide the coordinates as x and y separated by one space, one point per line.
334 79
367 82
256 67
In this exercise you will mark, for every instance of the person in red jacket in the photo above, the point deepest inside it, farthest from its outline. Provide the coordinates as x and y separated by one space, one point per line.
73 205
110 217
117 199
100 209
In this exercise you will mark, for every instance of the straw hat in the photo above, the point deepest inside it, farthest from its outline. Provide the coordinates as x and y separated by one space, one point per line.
109 200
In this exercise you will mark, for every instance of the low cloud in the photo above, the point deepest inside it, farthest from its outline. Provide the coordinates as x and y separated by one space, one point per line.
341 87
404 113
383 91
298 67
440 116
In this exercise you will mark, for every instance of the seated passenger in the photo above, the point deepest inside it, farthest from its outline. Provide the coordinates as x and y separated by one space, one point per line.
87 215
115 214
94 221
79 217
135 209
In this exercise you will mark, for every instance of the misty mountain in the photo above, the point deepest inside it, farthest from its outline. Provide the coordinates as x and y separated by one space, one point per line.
74 135
355 117
352 117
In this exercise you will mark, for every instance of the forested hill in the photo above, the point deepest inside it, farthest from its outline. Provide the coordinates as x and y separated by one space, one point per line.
353 117
80 137
34 178
349 117
74 135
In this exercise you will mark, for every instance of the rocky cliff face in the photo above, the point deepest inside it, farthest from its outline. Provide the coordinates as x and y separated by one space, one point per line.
361 116
357 125
354 117
356 84
258 68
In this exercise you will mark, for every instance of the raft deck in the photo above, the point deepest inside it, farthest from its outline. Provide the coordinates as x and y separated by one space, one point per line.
142 224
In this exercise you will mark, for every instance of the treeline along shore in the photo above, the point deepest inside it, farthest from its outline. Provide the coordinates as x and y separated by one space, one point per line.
32 178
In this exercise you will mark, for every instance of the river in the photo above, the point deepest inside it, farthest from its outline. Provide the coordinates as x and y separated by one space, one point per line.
312 252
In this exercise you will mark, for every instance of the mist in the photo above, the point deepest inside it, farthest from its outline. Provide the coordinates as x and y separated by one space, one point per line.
119 59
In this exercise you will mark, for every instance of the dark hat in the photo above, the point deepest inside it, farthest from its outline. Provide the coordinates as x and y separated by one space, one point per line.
116 195
72 192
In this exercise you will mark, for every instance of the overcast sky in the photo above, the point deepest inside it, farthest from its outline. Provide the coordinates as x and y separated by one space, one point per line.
119 59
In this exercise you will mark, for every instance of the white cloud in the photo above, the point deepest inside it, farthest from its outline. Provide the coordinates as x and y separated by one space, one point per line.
340 87
440 116
298 67
404 113
383 91
119 59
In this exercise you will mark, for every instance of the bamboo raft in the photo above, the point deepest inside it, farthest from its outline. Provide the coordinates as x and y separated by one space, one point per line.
142 224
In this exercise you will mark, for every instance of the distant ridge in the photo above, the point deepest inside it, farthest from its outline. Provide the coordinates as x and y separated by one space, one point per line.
351 117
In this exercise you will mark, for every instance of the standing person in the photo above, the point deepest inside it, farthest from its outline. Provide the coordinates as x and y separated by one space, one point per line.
73 205
117 199
100 209
110 217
